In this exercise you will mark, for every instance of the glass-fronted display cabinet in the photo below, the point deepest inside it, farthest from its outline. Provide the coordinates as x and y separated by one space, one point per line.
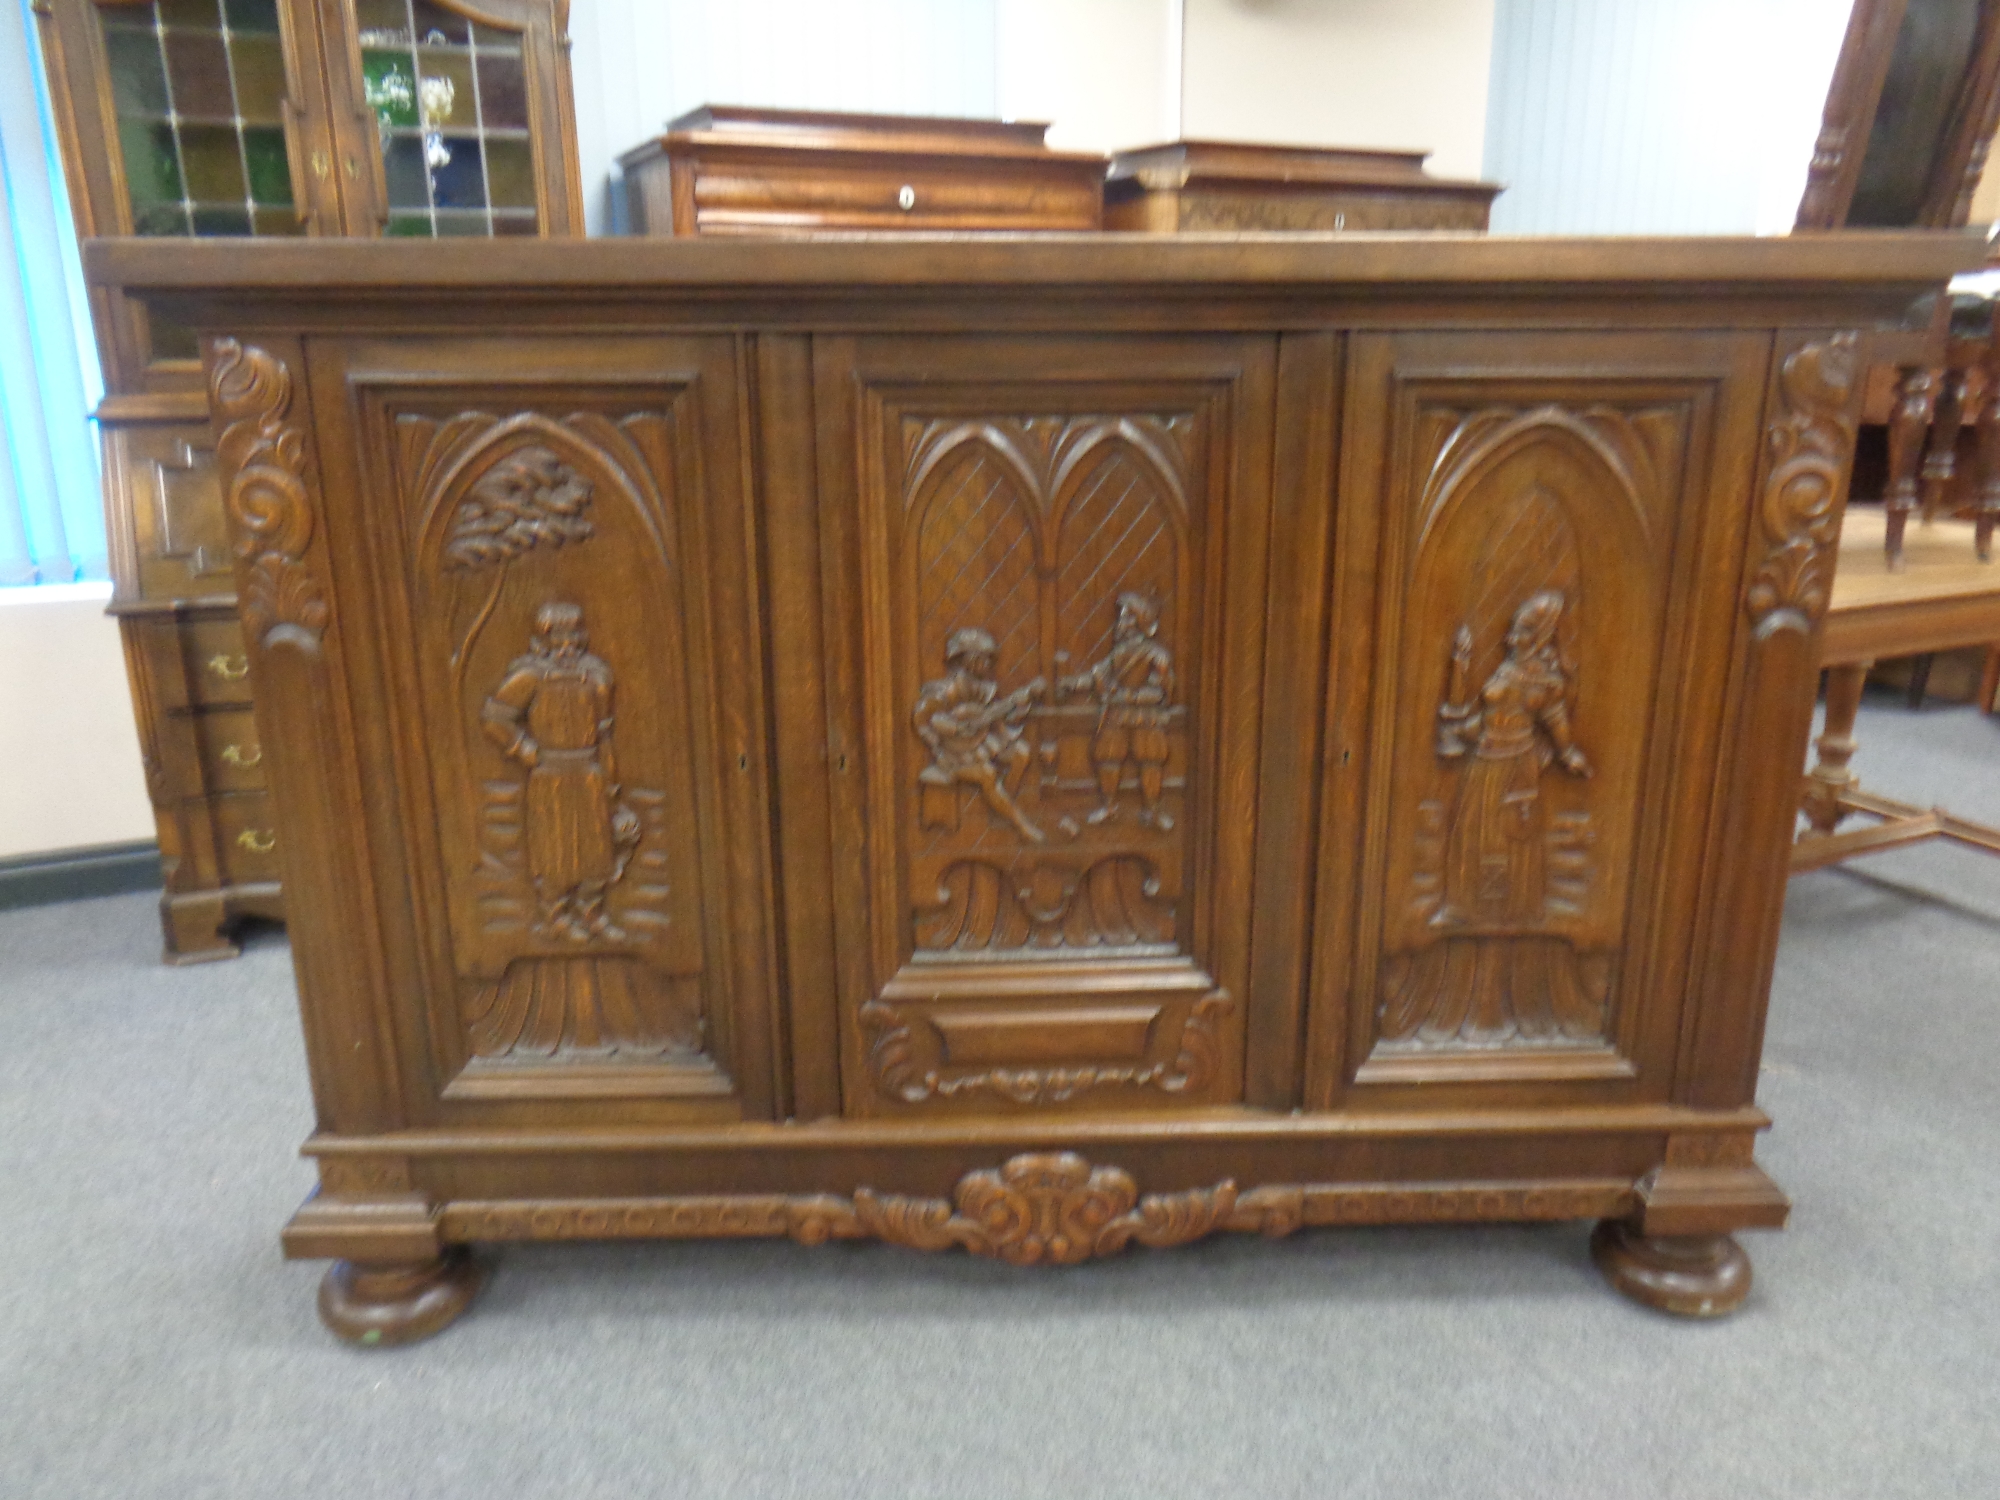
206 118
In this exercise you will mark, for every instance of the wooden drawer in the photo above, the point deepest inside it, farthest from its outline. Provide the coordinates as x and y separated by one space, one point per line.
245 838
196 663
164 497
232 759
765 197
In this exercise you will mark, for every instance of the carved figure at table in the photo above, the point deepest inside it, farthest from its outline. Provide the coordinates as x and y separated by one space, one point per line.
552 712
1134 684
974 733
1495 973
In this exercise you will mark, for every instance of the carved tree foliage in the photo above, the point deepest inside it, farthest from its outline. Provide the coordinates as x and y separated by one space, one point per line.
262 457
905 1054
1811 440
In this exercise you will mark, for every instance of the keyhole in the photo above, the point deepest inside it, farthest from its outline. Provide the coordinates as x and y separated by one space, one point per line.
742 762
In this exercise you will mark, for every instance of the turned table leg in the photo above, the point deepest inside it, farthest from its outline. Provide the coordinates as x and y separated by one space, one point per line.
380 1305
1986 473
1829 776
1693 1276
1916 399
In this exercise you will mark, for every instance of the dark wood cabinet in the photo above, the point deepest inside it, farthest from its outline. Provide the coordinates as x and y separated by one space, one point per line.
1033 746
725 169
1187 186
212 119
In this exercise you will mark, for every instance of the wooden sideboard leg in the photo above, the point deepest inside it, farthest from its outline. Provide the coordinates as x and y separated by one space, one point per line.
1829 777
194 928
379 1305
1916 400
1986 474
1691 1276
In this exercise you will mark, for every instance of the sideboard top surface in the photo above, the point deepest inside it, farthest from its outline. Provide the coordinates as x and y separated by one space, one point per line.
1684 268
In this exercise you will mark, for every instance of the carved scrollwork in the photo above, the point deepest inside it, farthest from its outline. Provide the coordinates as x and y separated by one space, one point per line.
904 1054
262 459
1811 440
1052 1209
1049 1208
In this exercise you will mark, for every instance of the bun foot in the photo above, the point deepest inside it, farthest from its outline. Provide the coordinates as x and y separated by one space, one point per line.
376 1306
1691 1276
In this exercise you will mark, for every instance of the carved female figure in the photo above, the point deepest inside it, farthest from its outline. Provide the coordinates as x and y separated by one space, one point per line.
1493 971
1494 869
552 713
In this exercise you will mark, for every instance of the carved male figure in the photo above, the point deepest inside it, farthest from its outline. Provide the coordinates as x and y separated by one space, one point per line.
973 733
1134 684
552 713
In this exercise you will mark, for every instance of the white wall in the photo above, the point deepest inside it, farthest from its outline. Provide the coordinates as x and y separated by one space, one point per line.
1657 116
1104 73
636 64
1408 73
70 773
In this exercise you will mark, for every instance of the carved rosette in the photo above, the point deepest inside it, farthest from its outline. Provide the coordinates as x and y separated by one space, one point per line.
1052 1208
262 460
904 1058
1812 442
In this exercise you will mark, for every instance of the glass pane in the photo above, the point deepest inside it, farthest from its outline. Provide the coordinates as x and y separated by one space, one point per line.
389 80
458 176
270 174
409 183
510 174
503 92
252 15
138 74
198 75
259 66
452 101
212 165
445 95
435 25
200 111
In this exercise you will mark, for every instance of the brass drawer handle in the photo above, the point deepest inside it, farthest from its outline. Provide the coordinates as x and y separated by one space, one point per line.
234 755
229 668
257 840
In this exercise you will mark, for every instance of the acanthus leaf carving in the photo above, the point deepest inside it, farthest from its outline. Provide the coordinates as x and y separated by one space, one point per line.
262 458
904 1056
1040 1208
1811 442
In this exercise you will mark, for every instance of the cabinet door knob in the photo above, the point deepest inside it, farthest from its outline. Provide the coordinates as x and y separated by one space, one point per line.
906 197
229 668
257 840
235 756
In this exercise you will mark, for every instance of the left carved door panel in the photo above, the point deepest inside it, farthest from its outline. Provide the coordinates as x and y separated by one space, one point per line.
1060 584
572 742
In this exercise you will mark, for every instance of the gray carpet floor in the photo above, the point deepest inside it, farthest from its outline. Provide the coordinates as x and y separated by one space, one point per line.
153 1343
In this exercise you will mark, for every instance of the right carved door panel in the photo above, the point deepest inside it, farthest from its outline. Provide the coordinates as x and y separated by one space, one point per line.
1534 753
1059 609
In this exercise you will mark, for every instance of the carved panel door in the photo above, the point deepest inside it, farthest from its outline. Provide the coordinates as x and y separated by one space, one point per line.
1042 705
570 746
1528 723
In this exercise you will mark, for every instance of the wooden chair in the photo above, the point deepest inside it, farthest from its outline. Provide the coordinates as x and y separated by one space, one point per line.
1941 598
1910 115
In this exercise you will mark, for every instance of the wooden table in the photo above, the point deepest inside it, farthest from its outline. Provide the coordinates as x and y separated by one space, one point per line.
1940 598
1034 745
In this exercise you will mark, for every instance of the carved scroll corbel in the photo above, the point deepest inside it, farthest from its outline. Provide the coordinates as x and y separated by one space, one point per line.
262 460
1812 441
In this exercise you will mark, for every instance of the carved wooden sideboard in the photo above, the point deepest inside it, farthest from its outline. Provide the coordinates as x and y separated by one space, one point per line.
1032 745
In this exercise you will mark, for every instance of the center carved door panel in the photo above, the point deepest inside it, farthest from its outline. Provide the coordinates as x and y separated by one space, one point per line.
570 644
1536 735
1061 575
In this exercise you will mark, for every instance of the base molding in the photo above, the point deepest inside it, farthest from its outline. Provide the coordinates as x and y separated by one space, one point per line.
76 874
1036 1208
